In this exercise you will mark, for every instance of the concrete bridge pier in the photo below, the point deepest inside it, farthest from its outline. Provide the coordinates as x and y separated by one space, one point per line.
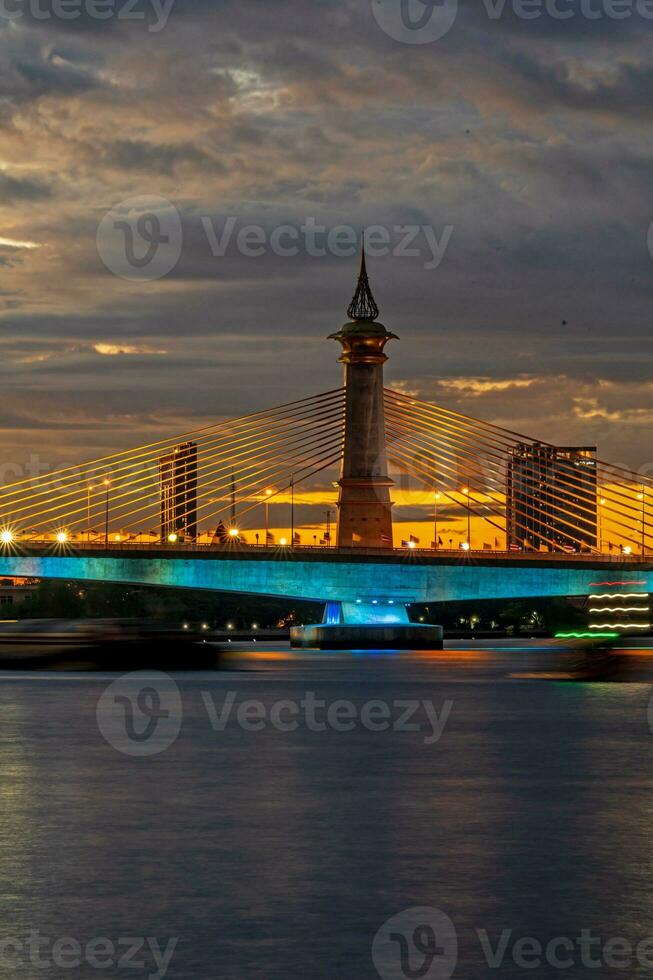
382 624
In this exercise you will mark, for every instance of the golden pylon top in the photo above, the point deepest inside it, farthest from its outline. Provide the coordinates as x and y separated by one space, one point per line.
363 337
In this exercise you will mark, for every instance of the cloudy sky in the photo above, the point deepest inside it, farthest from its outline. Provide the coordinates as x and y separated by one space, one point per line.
517 153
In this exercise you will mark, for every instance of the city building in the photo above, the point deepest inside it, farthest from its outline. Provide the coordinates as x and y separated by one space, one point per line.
551 497
14 590
178 490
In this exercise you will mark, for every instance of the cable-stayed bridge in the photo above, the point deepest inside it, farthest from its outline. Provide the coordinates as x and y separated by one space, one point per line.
531 518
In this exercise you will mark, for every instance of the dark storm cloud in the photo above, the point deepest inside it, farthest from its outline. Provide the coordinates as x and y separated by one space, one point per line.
22 189
530 138
158 158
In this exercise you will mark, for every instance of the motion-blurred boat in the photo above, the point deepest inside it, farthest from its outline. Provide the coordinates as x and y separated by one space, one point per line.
107 644
583 658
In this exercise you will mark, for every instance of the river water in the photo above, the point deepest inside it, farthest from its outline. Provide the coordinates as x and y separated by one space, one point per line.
518 805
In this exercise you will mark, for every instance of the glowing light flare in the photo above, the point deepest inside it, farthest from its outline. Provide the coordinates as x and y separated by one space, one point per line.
619 609
6 536
172 538
61 537
620 595
620 626
584 636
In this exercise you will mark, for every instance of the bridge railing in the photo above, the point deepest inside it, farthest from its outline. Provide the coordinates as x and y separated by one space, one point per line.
275 551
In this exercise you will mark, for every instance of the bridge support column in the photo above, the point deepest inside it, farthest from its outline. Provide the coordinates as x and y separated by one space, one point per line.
382 625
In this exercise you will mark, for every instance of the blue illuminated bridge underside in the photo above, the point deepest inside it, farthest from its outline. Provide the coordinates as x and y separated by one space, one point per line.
343 577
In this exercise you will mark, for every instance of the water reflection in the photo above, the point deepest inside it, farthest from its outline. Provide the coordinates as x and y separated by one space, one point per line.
277 854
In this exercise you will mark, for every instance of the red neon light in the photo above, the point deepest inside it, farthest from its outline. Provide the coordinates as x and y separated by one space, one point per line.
638 582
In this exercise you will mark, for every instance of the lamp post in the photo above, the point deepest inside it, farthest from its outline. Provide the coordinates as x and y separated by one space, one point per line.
641 496
292 511
268 494
89 489
436 497
600 516
107 484
469 515
328 528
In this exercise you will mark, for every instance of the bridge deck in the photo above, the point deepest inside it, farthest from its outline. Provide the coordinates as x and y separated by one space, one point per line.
303 553
324 574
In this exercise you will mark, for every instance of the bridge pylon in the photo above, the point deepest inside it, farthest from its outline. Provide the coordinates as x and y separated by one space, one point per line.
364 505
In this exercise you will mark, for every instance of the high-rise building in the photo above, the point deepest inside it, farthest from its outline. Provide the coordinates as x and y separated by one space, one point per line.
178 488
551 497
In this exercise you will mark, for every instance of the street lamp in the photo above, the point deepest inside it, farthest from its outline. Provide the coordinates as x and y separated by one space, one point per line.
641 496
465 491
90 487
292 511
436 497
107 484
602 503
268 494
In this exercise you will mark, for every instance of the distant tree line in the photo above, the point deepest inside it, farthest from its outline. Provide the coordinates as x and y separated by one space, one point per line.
549 615
98 600
74 600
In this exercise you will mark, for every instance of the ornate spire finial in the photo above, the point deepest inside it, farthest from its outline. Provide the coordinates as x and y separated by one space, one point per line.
363 306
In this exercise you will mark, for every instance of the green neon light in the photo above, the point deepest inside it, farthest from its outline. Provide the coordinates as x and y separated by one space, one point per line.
583 636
